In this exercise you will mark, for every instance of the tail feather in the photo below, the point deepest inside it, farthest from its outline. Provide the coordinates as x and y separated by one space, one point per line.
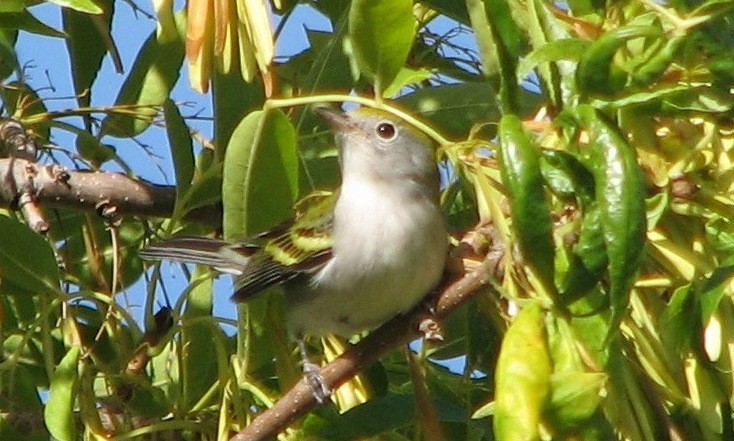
219 254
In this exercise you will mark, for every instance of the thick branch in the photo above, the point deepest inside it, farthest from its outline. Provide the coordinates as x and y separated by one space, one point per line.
398 331
55 186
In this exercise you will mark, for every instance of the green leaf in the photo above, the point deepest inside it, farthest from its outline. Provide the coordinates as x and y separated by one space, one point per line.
87 46
628 405
651 70
544 27
720 233
656 207
454 329
260 173
148 401
182 149
574 399
325 63
565 49
562 347
484 337
379 415
372 418
233 98
30 262
591 329
91 149
509 22
674 99
455 10
701 99
88 6
714 288
105 351
484 411
582 7
381 33
77 232
23 102
206 188
25 21
155 70
199 366
18 390
712 7
488 46
680 321
59 412
595 71
12 6
31 352
406 77
18 310
455 108
500 44
8 57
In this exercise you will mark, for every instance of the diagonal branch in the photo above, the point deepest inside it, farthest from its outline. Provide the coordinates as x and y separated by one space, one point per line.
398 331
103 192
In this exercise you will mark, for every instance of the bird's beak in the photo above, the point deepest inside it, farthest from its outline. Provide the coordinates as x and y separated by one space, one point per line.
336 119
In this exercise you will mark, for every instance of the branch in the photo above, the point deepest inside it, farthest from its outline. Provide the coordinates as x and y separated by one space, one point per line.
396 332
104 192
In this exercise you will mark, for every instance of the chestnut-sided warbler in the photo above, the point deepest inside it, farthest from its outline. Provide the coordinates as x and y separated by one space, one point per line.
351 260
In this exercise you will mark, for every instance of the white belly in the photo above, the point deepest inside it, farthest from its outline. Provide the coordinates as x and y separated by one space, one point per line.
394 256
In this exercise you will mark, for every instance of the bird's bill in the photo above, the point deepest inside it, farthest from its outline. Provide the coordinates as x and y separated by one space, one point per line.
337 119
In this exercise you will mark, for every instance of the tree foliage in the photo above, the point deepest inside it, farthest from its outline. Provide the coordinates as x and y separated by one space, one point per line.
587 150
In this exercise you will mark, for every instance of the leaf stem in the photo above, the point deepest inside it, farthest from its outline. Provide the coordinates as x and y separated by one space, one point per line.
339 98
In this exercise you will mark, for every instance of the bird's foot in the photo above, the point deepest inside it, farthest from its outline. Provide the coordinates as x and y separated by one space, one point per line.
430 329
427 324
312 372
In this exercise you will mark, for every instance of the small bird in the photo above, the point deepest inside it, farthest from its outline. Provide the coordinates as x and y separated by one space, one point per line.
350 260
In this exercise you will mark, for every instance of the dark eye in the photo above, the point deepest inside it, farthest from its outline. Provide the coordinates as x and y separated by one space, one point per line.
386 130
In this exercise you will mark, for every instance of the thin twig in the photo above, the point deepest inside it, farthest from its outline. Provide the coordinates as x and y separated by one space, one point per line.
55 186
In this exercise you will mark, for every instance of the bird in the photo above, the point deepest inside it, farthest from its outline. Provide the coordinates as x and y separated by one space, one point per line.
351 259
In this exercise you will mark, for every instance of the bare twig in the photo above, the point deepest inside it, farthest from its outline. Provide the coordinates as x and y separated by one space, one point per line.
55 186
426 412
398 331
16 143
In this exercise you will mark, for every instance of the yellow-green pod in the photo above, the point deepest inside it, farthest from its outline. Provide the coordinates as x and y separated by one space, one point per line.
522 377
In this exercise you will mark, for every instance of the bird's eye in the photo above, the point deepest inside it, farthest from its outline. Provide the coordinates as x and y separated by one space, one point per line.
386 131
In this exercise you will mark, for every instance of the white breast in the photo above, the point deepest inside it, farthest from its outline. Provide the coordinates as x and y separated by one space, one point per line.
389 252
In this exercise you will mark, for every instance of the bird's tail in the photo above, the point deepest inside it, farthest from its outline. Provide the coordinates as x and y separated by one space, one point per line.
219 254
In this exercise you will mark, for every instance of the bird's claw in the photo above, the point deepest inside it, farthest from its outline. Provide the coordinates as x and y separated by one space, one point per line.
430 329
321 391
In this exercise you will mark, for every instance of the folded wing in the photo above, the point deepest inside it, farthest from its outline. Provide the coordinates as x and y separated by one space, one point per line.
296 248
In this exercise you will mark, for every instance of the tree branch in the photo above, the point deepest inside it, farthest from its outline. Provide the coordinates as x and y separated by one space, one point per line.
103 192
396 332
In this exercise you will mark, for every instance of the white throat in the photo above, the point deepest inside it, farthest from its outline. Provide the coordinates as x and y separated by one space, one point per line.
389 250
